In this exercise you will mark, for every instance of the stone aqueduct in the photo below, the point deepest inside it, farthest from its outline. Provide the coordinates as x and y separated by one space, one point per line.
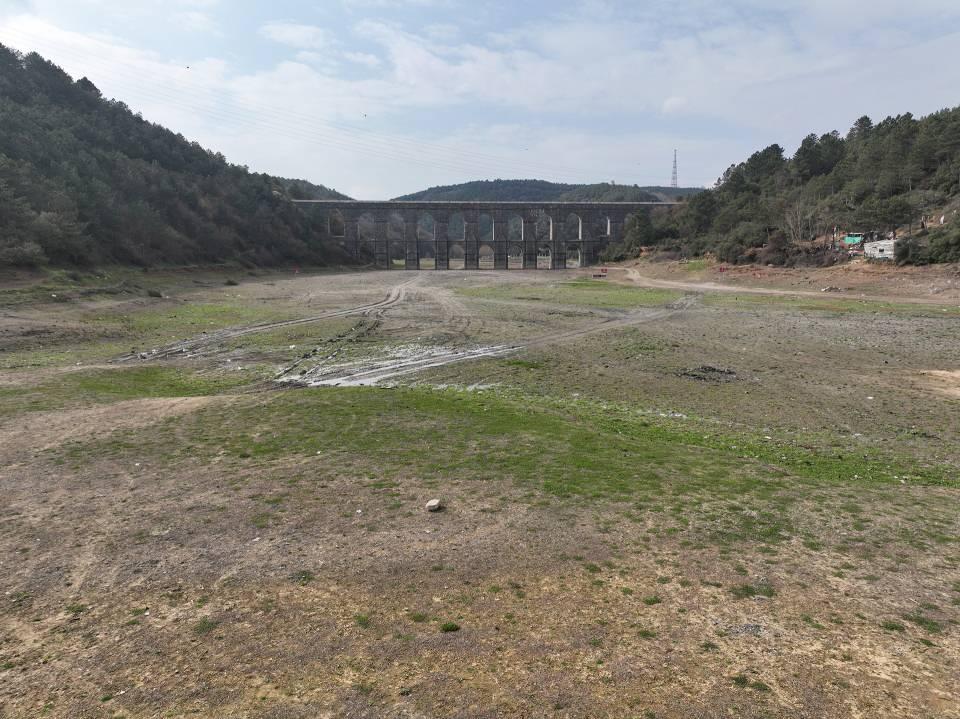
477 235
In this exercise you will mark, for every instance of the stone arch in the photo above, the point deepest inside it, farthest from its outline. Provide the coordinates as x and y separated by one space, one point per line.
543 227
366 237
486 257
485 228
544 256
426 241
573 228
395 227
454 239
457 227
456 255
515 256
396 249
397 255
336 225
574 256
602 227
366 227
515 228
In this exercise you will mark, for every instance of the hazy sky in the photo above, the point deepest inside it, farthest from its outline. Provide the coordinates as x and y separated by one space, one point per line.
381 97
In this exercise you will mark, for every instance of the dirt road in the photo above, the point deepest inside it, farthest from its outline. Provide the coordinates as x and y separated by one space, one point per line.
635 277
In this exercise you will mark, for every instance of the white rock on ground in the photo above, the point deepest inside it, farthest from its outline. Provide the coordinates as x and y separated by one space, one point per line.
434 505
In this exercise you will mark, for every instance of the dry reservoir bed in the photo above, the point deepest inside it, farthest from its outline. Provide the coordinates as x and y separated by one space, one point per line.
660 499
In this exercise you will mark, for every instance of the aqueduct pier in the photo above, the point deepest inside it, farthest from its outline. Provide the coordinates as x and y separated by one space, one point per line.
477 235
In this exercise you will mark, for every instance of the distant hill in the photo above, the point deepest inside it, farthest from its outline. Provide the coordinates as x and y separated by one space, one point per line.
543 191
83 180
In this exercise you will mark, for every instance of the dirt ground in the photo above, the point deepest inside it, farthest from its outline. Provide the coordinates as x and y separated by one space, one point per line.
675 492
878 280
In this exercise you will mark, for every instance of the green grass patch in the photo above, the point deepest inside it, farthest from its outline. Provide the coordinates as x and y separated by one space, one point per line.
204 626
303 577
107 331
483 437
920 620
362 620
572 450
748 591
743 681
583 293
166 322
523 364
103 386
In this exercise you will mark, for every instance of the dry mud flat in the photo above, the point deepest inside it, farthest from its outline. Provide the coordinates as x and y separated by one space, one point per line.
658 504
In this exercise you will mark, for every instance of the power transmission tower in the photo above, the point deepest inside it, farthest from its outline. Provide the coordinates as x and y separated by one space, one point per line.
674 182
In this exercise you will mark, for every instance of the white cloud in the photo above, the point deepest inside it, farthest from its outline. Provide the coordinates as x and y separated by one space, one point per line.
363 58
743 73
297 35
445 32
396 4
197 21
674 104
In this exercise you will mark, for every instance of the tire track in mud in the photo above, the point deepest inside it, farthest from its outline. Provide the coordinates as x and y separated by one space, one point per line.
631 319
413 359
193 346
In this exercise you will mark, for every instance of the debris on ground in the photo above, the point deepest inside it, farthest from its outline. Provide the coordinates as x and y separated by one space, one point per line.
709 373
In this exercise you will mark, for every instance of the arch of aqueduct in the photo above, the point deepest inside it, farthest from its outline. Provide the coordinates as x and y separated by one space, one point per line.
477 235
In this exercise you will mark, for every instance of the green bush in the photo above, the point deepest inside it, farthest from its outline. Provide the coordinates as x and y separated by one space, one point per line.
22 254
940 245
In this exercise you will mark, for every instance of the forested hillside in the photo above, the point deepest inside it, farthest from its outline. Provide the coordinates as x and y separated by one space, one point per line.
543 191
83 180
875 179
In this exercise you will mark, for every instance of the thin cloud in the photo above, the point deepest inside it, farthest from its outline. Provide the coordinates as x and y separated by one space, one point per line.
363 58
297 35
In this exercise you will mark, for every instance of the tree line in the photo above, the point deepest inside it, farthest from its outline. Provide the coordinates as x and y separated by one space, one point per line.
771 208
84 181
544 191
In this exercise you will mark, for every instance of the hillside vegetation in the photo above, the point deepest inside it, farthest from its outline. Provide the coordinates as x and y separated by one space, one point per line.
84 180
875 179
543 191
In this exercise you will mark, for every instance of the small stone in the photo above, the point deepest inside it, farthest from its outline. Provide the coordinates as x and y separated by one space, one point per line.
434 505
